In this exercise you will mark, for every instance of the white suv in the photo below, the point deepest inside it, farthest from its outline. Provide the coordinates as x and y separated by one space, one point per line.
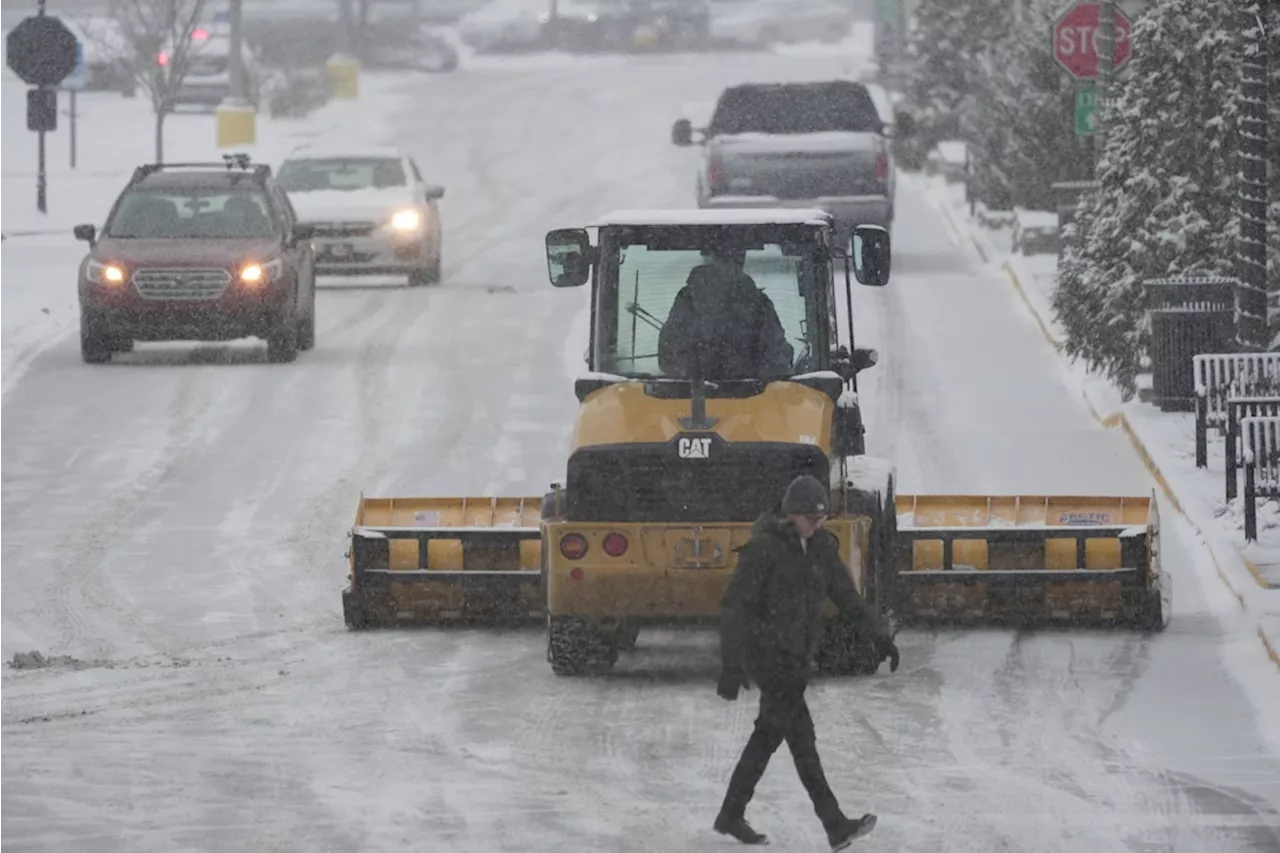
371 211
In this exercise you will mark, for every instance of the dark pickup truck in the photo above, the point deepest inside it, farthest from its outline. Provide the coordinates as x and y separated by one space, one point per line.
816 145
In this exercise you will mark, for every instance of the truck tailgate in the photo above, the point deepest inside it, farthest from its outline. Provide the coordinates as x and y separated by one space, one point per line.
802 165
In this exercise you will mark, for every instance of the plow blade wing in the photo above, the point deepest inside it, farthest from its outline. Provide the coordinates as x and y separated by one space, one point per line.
1029 561
439 560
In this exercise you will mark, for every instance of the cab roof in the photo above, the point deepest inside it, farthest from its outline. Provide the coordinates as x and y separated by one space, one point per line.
731 216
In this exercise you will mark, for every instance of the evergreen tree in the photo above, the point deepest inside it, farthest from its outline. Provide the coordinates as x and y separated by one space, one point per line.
946 47
1022 122
1168 173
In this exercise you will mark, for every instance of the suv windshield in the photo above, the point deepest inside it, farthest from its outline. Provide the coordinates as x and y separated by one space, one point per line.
357 173
196 213
746 313
796 108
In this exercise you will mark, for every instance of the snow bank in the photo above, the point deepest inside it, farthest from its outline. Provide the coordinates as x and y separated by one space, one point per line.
1165 441
38 303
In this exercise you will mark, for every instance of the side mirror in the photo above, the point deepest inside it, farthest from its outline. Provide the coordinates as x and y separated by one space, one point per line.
871 255
863 358
433 191
303 232
87 233
682 133
568 257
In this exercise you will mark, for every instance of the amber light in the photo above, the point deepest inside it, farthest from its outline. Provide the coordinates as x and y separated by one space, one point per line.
615 544
573 546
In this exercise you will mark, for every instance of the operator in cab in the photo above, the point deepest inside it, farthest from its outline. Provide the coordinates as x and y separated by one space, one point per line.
721 318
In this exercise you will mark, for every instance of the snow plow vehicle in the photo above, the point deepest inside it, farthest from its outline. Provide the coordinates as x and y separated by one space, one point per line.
671 461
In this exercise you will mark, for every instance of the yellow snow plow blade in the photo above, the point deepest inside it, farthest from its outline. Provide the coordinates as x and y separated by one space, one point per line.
1030 561
439 560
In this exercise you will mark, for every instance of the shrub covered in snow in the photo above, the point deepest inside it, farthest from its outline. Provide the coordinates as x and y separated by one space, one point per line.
1167 204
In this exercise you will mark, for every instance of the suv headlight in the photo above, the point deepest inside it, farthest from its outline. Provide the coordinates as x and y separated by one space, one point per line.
406 220
109 274
258 274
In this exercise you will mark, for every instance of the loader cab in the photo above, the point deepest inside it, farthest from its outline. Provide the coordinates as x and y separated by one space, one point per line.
645 271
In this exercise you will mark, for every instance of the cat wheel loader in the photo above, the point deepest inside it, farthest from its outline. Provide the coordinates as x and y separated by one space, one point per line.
669 465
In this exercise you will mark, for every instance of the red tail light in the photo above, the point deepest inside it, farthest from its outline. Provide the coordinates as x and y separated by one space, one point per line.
715 170
615 544
573 546
882 167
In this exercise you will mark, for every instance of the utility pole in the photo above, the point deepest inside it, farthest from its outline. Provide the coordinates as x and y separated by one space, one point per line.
1106 70
237 51
1256 298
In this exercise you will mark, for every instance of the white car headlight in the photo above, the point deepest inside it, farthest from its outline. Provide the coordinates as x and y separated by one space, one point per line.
256 274
408 219
97 273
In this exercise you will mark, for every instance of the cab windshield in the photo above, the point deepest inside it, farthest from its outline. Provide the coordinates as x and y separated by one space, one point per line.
192 213
341 174
744 305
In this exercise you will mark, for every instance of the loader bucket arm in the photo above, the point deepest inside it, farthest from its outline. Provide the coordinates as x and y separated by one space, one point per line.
1029 560
446 559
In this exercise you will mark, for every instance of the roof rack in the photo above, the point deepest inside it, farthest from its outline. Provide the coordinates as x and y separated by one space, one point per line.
242 162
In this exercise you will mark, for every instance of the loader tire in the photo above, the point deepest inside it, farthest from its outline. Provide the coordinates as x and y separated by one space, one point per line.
354 611
844 651
575 647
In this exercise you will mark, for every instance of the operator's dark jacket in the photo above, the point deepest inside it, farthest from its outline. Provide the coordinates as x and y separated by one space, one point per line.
771 619
730 322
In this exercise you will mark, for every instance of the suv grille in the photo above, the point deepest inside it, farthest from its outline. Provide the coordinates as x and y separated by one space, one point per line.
651 483
329 230
184 283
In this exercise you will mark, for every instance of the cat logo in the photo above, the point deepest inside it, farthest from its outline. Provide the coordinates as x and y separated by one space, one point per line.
695 448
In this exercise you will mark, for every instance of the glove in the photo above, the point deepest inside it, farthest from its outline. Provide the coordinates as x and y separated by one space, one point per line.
885 648
730 682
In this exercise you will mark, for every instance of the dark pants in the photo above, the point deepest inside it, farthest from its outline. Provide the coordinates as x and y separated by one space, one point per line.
784 715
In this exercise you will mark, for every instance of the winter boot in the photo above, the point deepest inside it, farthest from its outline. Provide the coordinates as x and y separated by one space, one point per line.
847 830
739 828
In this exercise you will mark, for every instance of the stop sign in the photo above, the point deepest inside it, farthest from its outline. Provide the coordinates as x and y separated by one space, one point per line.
1075 39
41 50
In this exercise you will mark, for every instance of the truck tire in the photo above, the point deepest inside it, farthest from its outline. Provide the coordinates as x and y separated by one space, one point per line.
95 341
575 647
282 342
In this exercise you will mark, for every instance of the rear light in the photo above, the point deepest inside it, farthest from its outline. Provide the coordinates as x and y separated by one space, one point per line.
576 574
573 546
882 167
615 544
715 170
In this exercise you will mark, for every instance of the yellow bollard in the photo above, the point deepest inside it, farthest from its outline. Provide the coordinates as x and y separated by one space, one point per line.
344 76
237 124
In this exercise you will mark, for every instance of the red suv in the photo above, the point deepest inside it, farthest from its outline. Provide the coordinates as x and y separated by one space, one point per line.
198 251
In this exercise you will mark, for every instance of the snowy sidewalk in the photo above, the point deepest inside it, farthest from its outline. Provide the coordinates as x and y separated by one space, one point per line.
38 303
1164 440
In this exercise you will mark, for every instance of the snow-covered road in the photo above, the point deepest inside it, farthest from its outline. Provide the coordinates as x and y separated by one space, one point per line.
175 522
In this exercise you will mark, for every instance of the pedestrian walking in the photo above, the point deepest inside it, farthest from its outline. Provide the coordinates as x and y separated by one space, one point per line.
771 622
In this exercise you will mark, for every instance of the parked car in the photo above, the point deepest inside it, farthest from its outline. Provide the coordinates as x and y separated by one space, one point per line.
370 210
405 46
814 144
110 63
503 26
198 251
207 79
760 23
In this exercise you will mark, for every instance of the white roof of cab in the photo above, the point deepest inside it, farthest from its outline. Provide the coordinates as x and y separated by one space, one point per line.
724 216
308 151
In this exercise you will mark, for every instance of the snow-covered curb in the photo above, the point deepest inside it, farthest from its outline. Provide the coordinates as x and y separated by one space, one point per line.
1160 439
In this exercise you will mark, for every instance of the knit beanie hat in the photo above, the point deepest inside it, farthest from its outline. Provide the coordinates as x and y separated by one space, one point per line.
805 496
